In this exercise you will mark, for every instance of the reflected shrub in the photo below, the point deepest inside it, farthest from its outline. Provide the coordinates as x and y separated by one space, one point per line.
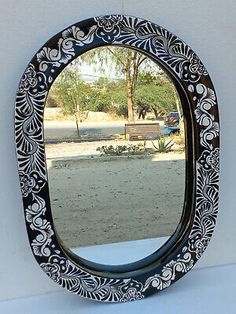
118 150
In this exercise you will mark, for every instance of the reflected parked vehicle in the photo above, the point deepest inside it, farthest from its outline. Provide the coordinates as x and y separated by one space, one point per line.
172 119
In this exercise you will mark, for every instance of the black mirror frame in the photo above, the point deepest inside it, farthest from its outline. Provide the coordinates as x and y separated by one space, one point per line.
178 255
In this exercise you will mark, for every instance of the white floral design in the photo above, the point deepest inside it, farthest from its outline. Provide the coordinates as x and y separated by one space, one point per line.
161 281
108 27
210 128
65 50
31 183
196 66
35 217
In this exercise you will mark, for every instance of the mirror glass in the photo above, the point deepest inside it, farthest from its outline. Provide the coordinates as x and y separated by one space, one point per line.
115 148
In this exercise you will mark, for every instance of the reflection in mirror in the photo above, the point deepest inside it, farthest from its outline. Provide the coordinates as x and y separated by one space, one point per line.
115 148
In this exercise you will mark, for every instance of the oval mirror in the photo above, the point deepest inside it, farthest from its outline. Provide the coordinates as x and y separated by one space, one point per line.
116 171
118 156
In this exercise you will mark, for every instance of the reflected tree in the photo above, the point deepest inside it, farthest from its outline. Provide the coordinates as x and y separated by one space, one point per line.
127 63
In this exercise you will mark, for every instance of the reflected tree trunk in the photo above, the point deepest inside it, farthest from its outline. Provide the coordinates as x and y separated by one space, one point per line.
129 88
132 65
76 114
181 118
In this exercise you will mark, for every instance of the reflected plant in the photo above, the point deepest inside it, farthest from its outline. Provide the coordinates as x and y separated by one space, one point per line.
163 146
136 149
121 150
111 150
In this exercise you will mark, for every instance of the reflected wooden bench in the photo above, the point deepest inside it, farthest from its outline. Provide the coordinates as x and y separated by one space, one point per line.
142 131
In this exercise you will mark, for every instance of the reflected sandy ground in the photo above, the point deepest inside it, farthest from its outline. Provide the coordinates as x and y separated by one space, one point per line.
116 199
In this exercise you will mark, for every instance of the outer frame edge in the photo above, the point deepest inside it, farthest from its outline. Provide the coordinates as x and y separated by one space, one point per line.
31 96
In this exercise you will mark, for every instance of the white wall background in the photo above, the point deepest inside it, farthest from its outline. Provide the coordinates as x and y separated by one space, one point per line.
208 26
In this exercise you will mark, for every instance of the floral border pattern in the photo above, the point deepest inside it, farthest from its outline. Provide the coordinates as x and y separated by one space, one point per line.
178 58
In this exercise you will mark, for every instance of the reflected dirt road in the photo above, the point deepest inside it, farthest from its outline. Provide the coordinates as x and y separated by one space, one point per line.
115 200
67 129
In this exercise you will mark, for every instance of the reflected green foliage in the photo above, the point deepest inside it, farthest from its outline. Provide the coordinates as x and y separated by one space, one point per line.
126 63
152 91
70 92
